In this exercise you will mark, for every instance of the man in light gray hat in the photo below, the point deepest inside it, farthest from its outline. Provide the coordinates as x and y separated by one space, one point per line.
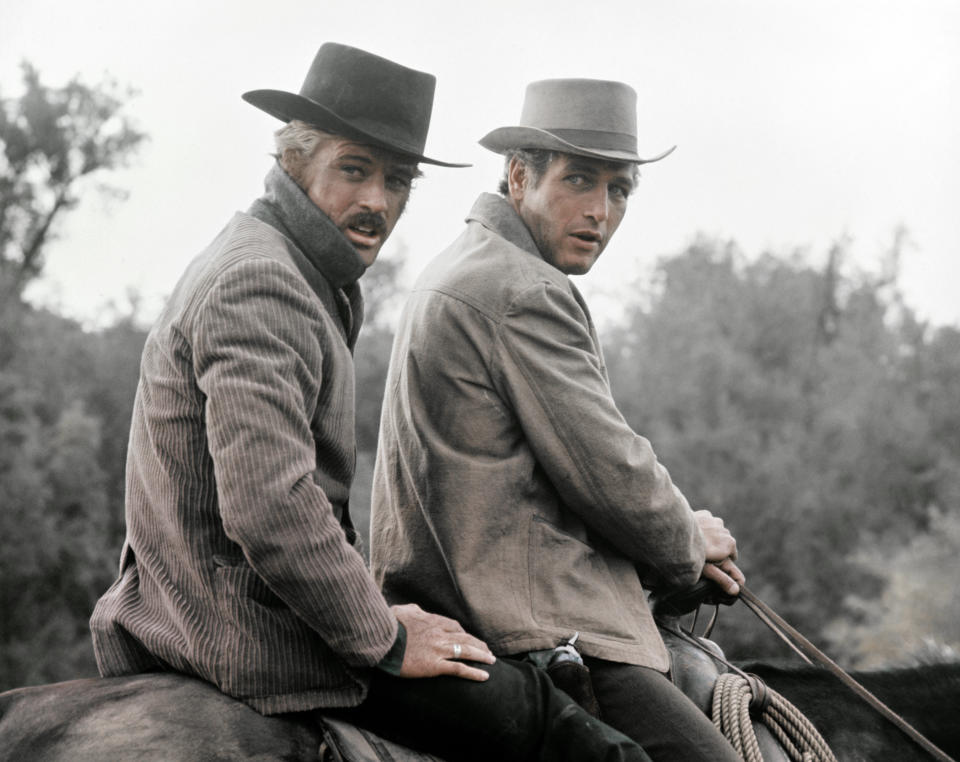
239 565
509 493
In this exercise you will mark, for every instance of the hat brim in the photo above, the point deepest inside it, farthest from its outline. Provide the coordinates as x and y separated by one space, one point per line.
289 106
504 139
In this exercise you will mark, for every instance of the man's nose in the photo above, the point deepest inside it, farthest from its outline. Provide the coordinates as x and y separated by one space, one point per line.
373 195
598 205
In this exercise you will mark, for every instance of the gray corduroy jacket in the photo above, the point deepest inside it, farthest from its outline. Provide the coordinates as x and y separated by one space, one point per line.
236 566
509 492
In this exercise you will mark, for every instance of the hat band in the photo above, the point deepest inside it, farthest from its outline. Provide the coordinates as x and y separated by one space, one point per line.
596 139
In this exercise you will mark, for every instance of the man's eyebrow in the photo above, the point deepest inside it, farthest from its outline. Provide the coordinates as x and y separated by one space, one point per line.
410 170
573 165
355 157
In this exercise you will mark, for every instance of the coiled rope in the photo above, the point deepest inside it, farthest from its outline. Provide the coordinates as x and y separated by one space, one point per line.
738 698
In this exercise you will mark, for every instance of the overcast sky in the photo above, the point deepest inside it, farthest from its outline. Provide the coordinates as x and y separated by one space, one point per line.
798 123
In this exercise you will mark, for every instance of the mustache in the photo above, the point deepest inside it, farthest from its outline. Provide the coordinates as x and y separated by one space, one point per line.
373 220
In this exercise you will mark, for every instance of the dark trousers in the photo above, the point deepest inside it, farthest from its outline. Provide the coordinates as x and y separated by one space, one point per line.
644 705
515 715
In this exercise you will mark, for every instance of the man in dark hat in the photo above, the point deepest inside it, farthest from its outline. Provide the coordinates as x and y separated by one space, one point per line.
509 491
239 565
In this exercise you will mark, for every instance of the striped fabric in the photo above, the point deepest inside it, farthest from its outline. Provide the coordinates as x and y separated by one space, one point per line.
236 566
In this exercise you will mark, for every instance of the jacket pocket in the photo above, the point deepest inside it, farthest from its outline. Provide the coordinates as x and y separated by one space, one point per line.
571 584
262 648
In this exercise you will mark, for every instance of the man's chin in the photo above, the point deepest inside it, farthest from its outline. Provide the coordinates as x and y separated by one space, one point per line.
367 254
577 265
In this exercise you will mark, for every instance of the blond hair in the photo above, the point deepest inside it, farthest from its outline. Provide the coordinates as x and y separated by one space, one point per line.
297 142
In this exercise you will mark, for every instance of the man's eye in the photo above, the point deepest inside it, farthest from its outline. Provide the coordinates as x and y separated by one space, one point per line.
399 182
619 191
352 170
576 179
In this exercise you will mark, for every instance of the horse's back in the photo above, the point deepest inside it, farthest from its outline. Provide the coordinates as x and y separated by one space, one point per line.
151 716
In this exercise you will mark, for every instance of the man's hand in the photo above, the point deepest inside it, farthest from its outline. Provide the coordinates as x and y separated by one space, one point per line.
721 552
435 645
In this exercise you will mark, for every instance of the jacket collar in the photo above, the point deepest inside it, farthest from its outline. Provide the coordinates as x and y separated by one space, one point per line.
497 214
286 207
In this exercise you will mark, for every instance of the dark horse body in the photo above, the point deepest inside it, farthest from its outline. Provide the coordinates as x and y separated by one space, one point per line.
171 717
927 697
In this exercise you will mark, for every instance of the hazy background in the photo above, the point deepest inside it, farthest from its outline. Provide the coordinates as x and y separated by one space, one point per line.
797 123
810 399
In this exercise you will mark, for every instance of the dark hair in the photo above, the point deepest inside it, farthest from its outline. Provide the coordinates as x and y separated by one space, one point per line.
536 161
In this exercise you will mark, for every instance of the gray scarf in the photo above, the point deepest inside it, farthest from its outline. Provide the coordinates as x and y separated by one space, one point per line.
286 207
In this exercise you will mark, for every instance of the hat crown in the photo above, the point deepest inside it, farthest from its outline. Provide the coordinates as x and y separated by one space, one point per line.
376 95
360 96
587 117
581 104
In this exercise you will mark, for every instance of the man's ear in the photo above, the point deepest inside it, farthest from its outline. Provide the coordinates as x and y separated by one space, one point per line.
517 178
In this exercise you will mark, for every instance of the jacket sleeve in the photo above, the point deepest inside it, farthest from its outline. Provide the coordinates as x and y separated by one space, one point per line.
259 343
552 372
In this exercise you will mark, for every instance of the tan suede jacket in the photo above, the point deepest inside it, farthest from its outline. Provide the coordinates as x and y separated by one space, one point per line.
509 492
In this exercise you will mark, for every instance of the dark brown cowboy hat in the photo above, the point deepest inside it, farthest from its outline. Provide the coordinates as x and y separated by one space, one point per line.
361 96
586 117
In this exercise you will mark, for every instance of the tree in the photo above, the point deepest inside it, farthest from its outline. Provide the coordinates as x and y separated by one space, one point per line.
917 616
806 406
53 141
382 298
65 404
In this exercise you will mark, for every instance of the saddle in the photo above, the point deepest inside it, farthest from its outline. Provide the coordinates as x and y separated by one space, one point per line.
696 661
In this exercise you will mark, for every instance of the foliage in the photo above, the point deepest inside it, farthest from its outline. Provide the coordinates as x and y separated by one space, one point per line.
917 616
53 141
65 399
807 408
381 288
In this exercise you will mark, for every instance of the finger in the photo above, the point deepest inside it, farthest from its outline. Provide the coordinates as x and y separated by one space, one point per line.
718 575
734 571
721 547
469 640
473 653
733 550
459 669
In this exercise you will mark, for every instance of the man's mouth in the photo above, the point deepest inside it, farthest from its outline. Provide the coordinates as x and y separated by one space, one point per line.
587 236
366 230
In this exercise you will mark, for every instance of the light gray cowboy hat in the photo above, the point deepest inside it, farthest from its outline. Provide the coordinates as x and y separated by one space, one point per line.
358 95
586 117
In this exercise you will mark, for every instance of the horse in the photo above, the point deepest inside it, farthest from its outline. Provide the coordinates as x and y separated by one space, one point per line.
174 717
153 716
171 717
927 696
